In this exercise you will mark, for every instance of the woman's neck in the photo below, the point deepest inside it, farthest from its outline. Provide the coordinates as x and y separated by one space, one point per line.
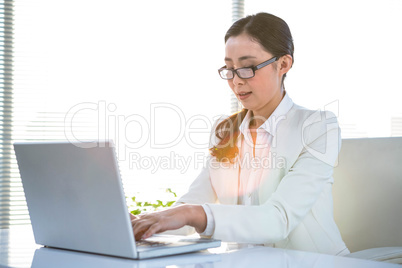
258 117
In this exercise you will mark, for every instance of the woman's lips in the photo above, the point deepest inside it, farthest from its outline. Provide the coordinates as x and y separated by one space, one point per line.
245 95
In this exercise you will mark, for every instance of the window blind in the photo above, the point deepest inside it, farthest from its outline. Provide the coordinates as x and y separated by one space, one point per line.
10 190
237 13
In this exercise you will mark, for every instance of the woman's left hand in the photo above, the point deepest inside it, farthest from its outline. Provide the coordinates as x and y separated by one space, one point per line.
146 225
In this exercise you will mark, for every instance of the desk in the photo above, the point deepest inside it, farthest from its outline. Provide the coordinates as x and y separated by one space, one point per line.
18 249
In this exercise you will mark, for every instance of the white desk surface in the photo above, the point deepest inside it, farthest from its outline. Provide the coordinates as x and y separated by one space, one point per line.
18 249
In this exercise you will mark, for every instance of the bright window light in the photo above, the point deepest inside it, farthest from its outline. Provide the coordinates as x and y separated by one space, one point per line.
346 60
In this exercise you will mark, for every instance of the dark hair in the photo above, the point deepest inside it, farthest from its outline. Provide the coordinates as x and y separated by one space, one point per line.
274 35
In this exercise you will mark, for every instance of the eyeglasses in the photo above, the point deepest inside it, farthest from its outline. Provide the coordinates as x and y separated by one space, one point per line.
245 72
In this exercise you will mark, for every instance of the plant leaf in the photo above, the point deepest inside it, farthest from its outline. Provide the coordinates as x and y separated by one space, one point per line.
170 191
168 204
135 212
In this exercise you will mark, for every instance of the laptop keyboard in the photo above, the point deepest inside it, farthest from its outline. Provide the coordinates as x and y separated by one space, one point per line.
144 243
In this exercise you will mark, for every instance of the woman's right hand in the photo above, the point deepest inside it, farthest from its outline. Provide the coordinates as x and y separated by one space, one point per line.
148 224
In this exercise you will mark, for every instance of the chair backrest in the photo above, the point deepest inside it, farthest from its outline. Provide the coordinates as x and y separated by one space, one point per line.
368 192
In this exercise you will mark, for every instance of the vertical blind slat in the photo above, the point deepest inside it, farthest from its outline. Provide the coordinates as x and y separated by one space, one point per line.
6 109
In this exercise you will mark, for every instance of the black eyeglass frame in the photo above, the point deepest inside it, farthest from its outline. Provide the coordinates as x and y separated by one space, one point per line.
255 68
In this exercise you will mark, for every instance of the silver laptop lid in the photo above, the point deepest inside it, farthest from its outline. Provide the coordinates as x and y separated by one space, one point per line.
75 197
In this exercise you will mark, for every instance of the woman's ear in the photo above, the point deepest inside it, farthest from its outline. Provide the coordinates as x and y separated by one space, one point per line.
284 64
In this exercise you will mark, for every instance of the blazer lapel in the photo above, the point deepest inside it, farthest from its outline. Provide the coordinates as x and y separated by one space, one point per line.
271 175
278 157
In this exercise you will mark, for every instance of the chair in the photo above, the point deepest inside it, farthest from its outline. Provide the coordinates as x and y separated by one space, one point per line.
368 197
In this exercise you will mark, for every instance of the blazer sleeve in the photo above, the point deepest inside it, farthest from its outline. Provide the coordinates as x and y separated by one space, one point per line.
295 195
200 191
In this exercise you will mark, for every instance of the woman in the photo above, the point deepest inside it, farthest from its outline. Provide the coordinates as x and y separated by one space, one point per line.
269 178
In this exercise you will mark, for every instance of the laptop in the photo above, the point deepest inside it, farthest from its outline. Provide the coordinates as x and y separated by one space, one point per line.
76 201
51 257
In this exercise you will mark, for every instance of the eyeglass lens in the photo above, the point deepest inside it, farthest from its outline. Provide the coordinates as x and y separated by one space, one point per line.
242 73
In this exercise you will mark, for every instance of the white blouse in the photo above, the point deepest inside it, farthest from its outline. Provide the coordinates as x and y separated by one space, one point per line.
254 163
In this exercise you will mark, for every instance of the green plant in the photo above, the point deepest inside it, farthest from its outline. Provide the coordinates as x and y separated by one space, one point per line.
136 207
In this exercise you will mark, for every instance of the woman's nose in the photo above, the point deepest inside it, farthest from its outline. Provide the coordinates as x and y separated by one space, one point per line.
237 80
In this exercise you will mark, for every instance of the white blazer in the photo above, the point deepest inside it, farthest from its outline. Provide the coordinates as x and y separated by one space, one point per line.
296 208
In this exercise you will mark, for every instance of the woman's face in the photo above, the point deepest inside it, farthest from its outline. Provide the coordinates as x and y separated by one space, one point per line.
262 93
